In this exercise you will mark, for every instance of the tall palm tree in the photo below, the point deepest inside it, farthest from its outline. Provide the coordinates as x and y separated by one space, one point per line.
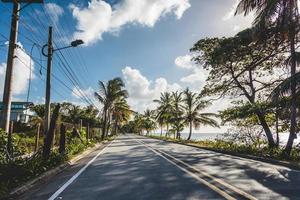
193 116
120 113
177 119
283 17
109 93
148 121
164 109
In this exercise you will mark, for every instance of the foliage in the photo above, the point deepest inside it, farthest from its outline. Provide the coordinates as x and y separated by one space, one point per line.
193 105
279 19
112 96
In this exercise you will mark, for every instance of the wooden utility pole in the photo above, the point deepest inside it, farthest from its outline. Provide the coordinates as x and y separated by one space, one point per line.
48 82
7 94
10 140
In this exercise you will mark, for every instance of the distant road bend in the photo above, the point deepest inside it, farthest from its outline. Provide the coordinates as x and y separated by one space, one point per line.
135 167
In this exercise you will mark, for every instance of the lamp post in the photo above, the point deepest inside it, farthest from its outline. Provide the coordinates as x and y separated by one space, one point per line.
49 55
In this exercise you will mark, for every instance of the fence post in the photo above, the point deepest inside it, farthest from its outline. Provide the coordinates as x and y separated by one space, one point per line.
50 133
62 139
37 136
87 132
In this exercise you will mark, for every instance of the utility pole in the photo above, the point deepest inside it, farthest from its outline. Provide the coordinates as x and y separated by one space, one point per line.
7 94
49 55
48 81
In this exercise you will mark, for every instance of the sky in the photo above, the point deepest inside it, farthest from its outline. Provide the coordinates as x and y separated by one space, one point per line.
145 42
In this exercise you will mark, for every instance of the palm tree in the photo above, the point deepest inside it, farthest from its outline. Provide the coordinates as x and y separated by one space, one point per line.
148 121
120 113
192 106
283 17
108 95
177 119
164 109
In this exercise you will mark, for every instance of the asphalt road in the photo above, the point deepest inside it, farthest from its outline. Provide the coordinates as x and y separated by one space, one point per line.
134 167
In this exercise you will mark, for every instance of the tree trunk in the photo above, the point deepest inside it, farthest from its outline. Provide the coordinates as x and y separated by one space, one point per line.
167 132
37 136
50 134
62 139
108 124
191 128
161 130
277 128
104 125
262 120
293 108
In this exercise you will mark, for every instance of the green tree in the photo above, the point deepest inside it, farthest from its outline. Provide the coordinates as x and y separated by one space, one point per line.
240 68
121 113
164 109
282 18
148 122
193 106
109 93
177 119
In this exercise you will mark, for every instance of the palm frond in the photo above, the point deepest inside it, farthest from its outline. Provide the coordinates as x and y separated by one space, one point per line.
284 87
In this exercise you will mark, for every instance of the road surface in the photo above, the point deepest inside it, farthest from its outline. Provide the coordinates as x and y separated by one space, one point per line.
134 167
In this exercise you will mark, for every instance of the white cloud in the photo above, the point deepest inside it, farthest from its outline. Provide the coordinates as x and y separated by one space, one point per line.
143 91
238 22
54 11
230 14
21 72
99 17
197 75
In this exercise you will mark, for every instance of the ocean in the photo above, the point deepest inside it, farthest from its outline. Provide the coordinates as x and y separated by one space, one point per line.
197 136
212 136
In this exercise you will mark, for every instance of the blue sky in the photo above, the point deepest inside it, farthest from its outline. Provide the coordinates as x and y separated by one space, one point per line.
146 42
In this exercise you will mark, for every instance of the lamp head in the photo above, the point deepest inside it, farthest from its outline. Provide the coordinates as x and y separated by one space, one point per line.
76 43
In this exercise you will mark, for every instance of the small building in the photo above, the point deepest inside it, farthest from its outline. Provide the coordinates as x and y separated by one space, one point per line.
20 111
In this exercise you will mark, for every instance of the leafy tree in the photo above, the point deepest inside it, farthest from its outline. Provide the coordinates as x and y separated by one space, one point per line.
109 93
177 119
193 116
121 113
282 17
148 122
240 68
164 109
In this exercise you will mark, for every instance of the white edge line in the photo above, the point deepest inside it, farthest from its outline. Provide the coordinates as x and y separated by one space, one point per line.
214 188
62 188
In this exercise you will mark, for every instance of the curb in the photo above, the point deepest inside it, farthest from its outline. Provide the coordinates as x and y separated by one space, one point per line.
49 174
256 158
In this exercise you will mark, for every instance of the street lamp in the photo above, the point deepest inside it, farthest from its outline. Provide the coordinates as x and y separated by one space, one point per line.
74 43
49 55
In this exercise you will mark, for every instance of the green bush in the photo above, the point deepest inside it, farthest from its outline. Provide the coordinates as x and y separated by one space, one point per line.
15 172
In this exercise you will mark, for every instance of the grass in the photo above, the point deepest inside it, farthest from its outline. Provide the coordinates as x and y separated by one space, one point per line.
229 147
